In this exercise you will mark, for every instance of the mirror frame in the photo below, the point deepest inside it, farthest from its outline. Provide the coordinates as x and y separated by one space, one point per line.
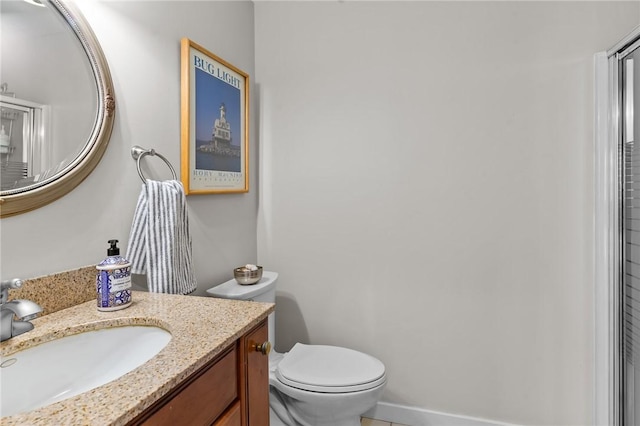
22 200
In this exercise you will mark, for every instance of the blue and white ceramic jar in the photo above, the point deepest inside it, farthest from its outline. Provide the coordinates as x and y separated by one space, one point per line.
113 280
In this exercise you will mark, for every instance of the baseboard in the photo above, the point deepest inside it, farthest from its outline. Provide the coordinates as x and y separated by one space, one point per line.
413 416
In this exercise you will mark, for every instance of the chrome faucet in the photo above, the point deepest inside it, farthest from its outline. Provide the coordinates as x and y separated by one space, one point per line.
23 310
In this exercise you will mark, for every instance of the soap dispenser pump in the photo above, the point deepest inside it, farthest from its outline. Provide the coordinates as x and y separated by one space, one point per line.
113 280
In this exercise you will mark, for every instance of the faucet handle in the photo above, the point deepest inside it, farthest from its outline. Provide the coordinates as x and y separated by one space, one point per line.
6 285
14 283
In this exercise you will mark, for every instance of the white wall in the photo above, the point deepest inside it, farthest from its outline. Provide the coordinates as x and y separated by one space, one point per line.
426 193
141 41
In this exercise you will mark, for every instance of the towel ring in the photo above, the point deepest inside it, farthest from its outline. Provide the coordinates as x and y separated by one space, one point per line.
137 152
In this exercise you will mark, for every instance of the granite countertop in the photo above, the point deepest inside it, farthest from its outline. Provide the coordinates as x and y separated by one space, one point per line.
200 327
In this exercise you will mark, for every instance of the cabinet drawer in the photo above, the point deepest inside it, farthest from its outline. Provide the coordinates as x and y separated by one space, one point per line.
202 398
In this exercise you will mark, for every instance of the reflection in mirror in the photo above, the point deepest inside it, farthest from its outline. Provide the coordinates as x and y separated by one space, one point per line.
56 102
43 63
23 151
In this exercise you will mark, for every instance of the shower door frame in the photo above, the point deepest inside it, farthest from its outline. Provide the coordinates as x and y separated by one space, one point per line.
608 236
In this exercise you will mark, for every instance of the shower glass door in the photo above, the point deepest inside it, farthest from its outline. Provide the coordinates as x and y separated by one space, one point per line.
629 68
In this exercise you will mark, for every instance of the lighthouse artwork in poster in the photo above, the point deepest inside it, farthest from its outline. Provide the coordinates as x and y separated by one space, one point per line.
214 123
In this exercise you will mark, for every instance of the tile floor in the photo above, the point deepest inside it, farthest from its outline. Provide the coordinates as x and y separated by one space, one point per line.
371 422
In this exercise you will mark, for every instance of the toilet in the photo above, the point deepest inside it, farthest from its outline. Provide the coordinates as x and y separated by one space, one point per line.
312 385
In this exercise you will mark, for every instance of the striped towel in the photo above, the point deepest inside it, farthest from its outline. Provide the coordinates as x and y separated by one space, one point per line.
160 243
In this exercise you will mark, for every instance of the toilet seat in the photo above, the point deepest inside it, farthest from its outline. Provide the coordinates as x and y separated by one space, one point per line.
329 369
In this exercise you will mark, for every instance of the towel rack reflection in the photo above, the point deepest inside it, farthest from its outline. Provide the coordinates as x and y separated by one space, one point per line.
137 152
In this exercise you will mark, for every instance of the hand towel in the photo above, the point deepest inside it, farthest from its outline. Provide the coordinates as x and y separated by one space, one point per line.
160 244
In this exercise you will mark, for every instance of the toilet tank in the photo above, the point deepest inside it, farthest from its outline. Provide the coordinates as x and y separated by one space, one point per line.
262 291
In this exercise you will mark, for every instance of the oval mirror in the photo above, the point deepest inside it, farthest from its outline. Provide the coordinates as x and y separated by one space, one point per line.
57 103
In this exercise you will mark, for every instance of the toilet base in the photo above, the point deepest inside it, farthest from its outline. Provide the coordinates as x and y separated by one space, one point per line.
292 418
274 420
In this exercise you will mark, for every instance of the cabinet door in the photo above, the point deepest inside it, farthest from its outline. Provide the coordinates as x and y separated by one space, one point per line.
257 378
231 418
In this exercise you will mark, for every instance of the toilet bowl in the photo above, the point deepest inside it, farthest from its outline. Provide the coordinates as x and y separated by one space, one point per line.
312 385
325 385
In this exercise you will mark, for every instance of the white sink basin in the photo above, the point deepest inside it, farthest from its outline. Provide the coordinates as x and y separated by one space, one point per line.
69 366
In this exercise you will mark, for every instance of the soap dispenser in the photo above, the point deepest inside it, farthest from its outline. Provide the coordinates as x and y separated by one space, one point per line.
113 280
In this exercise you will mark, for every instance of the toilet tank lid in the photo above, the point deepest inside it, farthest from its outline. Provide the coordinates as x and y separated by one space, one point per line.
232 290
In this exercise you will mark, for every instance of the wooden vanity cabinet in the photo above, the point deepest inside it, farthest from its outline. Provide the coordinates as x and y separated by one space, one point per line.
230 390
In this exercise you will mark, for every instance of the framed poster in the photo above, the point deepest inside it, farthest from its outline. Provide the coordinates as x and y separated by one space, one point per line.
214 123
